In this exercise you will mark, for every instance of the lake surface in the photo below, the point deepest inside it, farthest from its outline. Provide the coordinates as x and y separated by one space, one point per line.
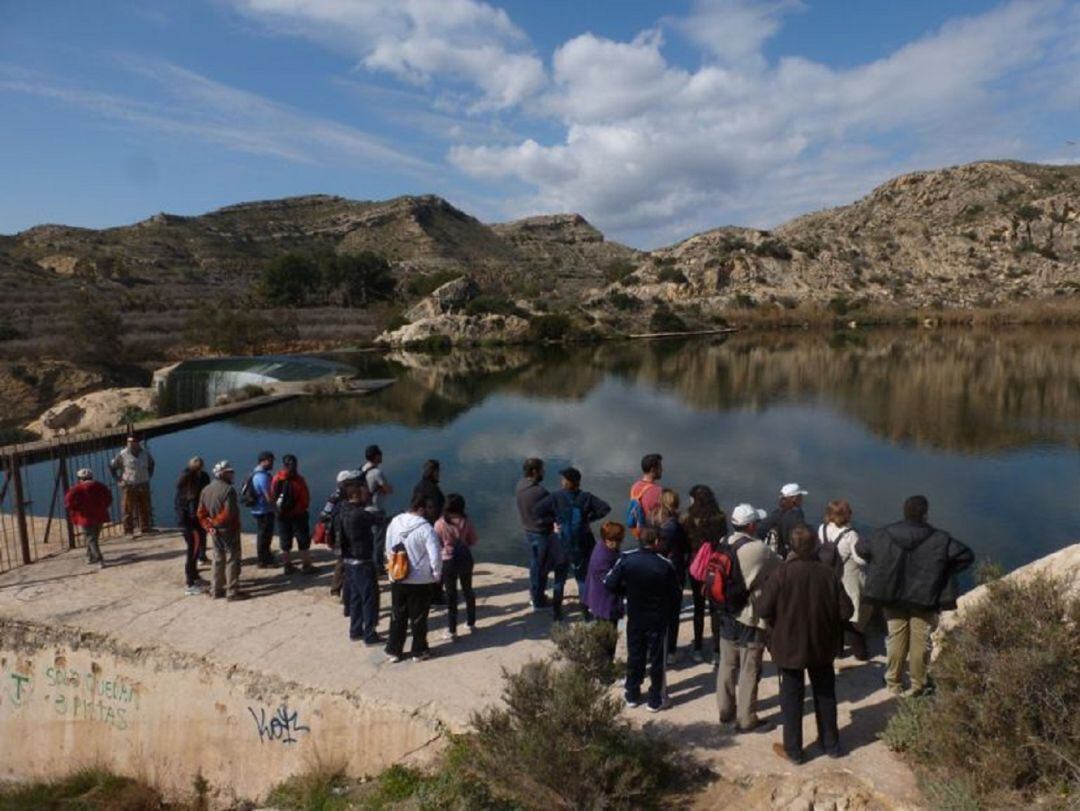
986 424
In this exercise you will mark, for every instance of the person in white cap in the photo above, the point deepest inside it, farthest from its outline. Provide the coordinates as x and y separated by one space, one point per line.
88 505
742 634
326 519
219 513
776 529
133 468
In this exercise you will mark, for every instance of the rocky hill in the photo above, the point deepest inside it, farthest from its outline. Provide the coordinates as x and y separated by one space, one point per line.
985 234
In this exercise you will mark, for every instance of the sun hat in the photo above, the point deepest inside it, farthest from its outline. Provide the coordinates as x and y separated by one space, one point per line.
792 490
744 514
84 473
222 468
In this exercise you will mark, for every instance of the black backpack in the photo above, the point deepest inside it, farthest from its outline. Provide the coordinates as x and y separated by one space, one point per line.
284 499
249 497
829 551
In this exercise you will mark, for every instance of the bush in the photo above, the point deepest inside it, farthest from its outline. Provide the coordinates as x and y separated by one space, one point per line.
672 275
774 249
489 304
235 330
618 269
623 301
9 333
96 330
585 645
356 280
86 790
559 743
744 301
664 320
290 280
1006 711
420 286
550 327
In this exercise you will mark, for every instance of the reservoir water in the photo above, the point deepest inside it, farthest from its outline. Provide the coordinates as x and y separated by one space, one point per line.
986 424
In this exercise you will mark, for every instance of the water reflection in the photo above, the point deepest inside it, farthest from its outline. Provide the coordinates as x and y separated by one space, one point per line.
986 424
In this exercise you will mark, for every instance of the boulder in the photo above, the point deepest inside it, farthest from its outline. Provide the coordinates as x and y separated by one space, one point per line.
447 298
98 411
460 329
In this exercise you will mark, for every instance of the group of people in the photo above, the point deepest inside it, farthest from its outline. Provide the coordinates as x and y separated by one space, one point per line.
764 580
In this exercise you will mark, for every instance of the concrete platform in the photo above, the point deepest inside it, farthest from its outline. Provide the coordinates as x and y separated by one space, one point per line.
119 666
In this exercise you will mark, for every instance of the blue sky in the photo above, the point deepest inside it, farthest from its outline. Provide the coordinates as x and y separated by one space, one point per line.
653 119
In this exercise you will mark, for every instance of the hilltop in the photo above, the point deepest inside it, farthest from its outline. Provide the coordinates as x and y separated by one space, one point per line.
984 235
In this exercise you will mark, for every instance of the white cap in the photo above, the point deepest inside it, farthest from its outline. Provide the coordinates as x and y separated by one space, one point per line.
222 467
348 476
743 515
84 473
791 490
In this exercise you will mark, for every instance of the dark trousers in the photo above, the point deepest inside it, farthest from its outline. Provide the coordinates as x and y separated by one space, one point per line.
264 536
538 542
193 540
792 694
459 569
363 595
701 606
559 573
409 606
645 649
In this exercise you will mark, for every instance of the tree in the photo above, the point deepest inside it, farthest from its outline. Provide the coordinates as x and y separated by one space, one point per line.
95 331
290 280
357 280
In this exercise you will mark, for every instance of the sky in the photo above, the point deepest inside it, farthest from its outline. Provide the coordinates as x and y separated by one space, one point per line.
655 120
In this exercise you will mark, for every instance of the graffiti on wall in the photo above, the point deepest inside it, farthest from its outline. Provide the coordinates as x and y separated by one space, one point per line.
279 726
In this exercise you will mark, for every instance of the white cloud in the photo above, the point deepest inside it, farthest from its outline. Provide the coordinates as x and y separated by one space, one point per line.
419 41
192 105
652 151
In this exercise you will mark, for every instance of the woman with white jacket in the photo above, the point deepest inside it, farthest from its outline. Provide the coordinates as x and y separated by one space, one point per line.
838 532
410 597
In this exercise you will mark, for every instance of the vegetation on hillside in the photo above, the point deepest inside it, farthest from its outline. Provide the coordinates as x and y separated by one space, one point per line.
296 280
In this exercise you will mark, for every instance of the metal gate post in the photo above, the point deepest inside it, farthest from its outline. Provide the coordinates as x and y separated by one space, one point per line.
20 509
65 483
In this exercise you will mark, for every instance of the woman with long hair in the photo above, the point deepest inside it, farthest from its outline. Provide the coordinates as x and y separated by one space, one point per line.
704 523
838 537
457 536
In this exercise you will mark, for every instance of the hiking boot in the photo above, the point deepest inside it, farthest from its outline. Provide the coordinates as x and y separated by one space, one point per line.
335 592
781 752
375 640
423 656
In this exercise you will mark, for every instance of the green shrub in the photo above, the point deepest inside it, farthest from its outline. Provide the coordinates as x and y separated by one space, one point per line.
987 571
672 275
85 790
550 327
355 280
664 320
290 280
624 301
491 304
559 743
744 301
1006 711
618 269
586 646
233 330
839 305
774 249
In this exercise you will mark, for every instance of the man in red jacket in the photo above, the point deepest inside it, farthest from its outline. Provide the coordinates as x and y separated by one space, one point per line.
291 501
88 505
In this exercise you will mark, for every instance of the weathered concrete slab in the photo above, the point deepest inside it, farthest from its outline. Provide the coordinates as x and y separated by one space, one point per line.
119 666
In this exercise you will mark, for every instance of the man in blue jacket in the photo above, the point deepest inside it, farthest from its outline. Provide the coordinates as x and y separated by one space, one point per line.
263 510
652 590
911 572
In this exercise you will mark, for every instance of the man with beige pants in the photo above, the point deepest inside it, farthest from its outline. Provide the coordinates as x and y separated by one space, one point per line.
133 468
219 514
911 574
742 634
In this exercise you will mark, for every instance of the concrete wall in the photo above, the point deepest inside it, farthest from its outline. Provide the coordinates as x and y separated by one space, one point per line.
70 699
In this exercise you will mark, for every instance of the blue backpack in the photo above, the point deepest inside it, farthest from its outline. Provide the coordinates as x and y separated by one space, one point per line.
635 513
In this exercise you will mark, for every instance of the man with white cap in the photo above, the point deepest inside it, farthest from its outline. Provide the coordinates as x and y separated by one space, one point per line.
88 505
219 513
326 518
742 634
776 529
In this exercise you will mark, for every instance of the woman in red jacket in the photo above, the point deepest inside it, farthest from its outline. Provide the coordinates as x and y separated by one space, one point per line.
88 505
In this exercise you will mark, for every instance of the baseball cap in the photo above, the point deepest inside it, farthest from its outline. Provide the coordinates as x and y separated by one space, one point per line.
222 467
84 473
348 475
790 490
571 474
744 515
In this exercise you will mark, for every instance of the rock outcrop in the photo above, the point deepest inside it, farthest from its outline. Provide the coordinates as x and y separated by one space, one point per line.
98 411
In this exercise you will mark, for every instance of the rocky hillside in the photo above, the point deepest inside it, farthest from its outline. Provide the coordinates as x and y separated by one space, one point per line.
984 234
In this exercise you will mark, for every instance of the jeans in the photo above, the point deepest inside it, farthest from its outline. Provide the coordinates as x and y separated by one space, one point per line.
264 536
363 596
645 648
136 507
909 638
192 540
538 542
225 570
93 551
741 651
792 694
459 569
409 606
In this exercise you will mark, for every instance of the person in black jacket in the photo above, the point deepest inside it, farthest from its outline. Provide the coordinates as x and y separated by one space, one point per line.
911 572
354 528
652 591
428 487
186 503
777 528
806 605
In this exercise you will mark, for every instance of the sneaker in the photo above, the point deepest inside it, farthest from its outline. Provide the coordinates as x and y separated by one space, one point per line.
448 636
697 655
393 658
423 656
101 564
375 640
472 627
663 705
193 590
633 701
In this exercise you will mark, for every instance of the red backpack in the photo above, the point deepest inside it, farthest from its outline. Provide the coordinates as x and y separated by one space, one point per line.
718 569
